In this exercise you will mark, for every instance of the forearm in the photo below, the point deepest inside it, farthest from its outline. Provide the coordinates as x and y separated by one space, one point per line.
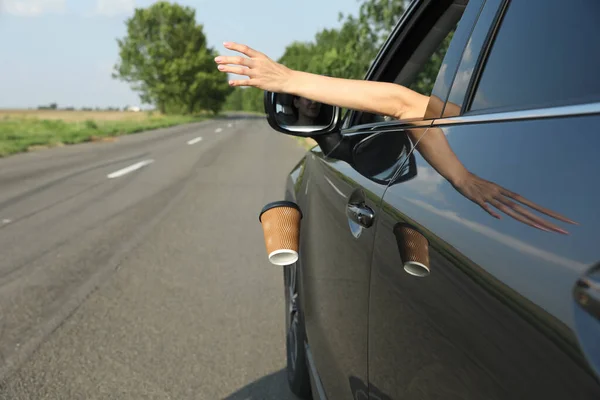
384 99
380 98
436 150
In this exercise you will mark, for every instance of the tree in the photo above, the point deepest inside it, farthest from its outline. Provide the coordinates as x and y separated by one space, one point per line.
235 101
52 106
165 58
348 51
253 100
344 52
377 18
298 56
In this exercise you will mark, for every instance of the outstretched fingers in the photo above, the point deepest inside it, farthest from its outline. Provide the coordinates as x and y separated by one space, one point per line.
235 70
243 82
521 218
242 48
534 206
234 60
539 222
487 209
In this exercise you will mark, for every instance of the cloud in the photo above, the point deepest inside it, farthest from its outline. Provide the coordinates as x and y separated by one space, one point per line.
32 7
427 182
114 7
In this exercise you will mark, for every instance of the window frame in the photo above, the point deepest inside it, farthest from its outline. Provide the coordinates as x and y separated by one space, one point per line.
383 57
493 26
382 69
480 42
487 29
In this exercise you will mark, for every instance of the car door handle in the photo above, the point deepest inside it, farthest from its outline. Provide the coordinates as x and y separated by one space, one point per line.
586 317
587 294
361 214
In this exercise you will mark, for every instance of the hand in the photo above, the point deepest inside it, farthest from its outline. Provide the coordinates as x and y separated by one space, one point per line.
263 72
483 192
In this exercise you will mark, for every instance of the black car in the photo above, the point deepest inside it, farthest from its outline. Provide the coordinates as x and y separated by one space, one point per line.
500 309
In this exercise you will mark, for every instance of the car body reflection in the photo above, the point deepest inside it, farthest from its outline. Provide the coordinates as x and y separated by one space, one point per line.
496 317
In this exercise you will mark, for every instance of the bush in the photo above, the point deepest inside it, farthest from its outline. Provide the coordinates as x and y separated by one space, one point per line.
91 124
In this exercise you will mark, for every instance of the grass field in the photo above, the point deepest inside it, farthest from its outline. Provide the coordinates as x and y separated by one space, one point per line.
24 130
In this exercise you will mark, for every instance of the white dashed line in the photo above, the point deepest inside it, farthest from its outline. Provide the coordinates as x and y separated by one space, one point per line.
6 221
129 169
194 141
335 187
219 130
229 125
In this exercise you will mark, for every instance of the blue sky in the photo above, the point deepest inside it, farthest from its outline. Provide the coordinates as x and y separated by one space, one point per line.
63 50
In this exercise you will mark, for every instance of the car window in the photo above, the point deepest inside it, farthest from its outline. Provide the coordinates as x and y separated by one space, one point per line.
544 54
425 78
420 71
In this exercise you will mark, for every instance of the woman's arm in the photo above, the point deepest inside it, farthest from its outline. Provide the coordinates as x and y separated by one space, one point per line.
381 98
391 100
375 97
436 150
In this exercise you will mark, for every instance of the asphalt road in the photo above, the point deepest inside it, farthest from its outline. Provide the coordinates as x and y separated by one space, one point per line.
150 283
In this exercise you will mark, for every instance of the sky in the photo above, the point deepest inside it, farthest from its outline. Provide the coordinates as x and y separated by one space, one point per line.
63 51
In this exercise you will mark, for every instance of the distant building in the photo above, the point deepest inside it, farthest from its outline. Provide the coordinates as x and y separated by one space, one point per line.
134 109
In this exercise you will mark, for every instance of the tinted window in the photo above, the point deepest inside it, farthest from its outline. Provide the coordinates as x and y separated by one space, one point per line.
420 71
423 81
545 53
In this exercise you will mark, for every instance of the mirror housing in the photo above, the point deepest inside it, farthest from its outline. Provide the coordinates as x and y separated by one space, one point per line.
297 116
385 158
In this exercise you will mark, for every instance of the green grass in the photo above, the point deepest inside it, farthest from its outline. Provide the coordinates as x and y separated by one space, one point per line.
21 134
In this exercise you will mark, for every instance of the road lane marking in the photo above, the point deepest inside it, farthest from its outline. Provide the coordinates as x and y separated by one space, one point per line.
6 221
219 130
194 141
335 187
229 125
129 169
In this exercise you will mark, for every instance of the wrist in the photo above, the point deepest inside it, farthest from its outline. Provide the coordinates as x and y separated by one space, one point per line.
292 82
458 178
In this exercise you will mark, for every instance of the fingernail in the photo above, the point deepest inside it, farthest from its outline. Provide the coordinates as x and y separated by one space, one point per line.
541 228
230 83
221 67
218 59
226 44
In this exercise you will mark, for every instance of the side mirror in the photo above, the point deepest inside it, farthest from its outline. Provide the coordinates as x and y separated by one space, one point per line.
298 116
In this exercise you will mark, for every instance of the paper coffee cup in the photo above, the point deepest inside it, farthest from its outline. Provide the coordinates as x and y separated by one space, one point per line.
414 250
281 227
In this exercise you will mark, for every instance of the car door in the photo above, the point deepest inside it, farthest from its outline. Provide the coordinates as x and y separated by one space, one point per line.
338 250
339 206
508 310
337 241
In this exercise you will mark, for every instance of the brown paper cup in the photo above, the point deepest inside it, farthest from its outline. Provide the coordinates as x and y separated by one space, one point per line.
281 227
414 250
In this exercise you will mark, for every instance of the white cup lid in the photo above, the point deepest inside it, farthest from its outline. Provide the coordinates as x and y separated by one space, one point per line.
283 257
